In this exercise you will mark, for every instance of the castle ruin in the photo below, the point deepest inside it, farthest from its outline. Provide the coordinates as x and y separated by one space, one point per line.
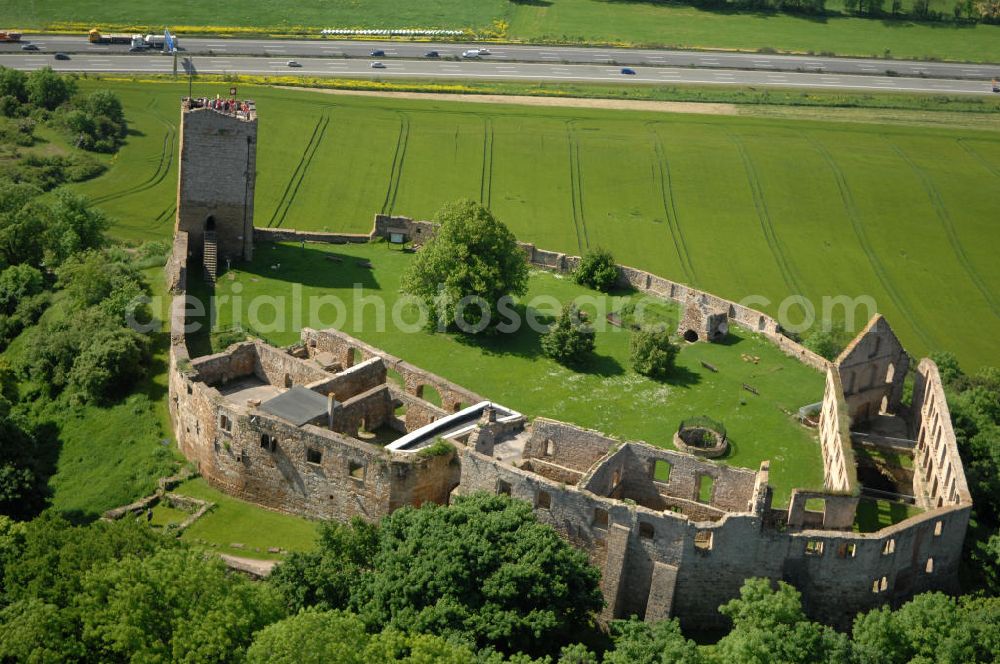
333 428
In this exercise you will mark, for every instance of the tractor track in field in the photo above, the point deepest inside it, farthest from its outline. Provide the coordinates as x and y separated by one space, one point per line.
162 168
763 216
971 151
396 171
486 180
295 180
670 210
576 190
859 231
949 229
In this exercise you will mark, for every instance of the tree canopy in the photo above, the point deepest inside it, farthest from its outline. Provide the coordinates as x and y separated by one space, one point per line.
597 269
482 570
571 338
653 352
467 269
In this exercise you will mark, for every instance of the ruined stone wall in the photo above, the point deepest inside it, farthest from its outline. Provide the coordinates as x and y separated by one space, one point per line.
939 477
218 156
351 381
347 350
839 470
237 361
566 445
364 412
418 413
414 231
628 472
277 367
872 371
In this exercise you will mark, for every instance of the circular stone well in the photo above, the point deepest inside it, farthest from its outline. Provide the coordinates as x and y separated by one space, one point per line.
701 437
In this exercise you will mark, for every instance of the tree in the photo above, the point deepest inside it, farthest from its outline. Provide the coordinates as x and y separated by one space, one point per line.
482 570
324 578
653 352
571 338
770 626
315 637
48 90
13 83
466 270
597 269
638 642
178 605
73 227
24 473
932 627
109 365
827 343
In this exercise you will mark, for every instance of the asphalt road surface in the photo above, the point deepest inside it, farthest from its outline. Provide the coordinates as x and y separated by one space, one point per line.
329 48
485 70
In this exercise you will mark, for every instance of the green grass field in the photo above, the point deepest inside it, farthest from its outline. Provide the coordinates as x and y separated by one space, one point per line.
606 395
738 206
233 521
592 21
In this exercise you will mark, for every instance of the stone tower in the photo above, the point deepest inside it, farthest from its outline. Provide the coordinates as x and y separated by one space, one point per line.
216 182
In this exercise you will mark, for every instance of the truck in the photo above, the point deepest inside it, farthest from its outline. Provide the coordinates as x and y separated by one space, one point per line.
9 36
96 37
149 42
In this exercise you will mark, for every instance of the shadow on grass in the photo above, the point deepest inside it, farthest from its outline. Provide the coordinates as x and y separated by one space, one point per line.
309 266
681 377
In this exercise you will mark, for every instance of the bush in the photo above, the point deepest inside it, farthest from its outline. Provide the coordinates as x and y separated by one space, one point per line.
570 339
597 270
654 354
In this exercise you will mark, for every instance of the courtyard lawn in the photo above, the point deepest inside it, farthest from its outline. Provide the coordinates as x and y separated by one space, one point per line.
672 24
605 394
233 521
735 205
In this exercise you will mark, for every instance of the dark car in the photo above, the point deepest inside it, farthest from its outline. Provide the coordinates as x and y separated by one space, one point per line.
628 70
377 53
432 54
61 56
30 47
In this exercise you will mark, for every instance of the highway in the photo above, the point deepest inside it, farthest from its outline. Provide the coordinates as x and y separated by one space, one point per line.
507 53
487 70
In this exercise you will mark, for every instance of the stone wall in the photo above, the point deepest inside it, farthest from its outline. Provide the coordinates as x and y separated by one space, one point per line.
839 470
872 370
217 173
939 477
347 351
566 445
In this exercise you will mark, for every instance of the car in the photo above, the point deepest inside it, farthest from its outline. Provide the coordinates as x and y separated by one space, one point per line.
30 47
292 63
377 53
628 70
996 85
432 54
484 51
473 53
61 56
378 65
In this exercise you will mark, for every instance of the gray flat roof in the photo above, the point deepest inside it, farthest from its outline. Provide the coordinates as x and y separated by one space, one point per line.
298 405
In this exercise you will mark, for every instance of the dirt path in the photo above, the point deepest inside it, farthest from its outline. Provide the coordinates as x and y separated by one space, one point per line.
702 108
